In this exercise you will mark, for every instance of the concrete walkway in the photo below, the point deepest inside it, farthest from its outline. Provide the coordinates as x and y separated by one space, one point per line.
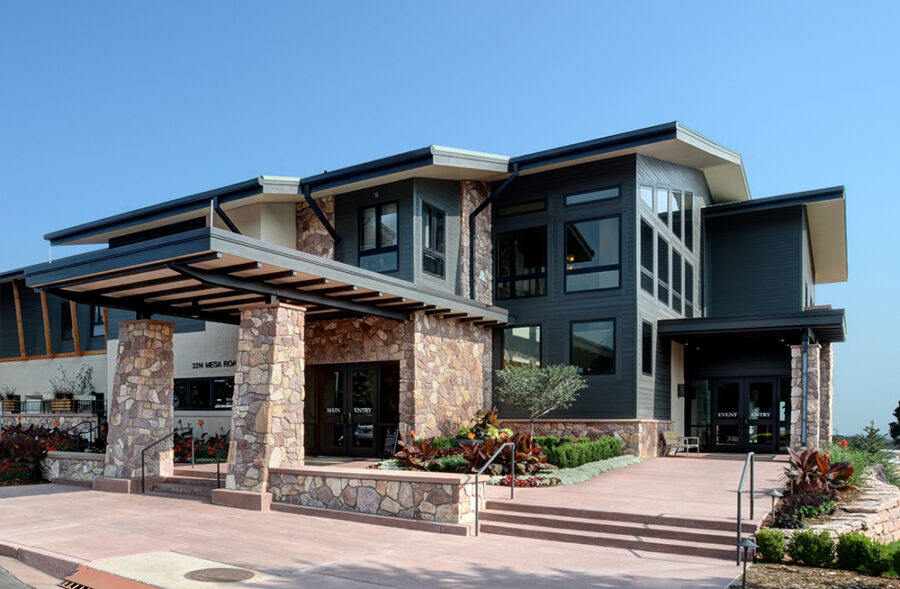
301 551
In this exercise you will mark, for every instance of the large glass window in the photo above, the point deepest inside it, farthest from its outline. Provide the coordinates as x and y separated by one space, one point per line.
197 394
662 264
647 348
688 289
662 205
522 263
676 213
532 206
577 198
593 347
689 220
432 240
65 321
646 256
676 281
97 328
378 237
522 346
592 254
647 196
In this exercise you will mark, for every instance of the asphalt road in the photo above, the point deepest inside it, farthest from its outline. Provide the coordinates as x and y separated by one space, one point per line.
7 581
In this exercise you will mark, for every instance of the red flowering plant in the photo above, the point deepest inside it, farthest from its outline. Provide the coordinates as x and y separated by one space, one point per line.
206 447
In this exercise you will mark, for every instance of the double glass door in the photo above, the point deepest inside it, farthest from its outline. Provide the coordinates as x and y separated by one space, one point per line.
744 415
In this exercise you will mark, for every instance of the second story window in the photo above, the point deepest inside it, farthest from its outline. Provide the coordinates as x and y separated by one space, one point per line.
97 328
676 281
522 263
662 263
662 205
432 240
689 220
378 237
688 289
65 322
522 346
593 346
647 257
592 254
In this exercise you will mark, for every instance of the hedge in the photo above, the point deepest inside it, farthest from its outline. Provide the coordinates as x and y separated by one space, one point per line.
570 454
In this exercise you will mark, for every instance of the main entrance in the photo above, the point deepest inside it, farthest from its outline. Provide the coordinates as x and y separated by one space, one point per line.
746 414
351 408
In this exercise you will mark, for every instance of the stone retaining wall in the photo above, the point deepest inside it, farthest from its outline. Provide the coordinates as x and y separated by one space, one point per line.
72 466
640 437
435 497
51 420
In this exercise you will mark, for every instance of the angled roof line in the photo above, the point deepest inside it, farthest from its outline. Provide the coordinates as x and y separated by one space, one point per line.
777 201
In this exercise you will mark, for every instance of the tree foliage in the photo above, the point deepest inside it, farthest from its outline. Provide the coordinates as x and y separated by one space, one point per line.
538 391
894 426
79 384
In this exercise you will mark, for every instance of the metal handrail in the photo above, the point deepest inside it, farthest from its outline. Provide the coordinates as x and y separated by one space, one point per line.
748 463
512 482
89 432
159 441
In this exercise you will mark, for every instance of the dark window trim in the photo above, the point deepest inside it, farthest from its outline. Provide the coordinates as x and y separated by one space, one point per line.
427 249
539 325
659 277
378 249
615 346
566 195
94 323
502 215
498 280
651 273
607 268
652 346
210 380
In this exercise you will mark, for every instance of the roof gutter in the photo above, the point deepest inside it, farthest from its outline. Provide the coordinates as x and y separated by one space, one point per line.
472 218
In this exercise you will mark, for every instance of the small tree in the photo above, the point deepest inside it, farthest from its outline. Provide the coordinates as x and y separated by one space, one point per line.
894 426
871 440
538 391
80 384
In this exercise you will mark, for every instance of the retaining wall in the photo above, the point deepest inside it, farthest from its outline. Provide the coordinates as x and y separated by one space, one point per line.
79 467
640 437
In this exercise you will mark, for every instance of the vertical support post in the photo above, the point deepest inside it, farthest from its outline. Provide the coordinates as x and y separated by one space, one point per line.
752 484
738 557
19 326
76 337
46 316
804 380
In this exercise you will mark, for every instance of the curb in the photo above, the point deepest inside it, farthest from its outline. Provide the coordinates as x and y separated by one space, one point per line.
52 563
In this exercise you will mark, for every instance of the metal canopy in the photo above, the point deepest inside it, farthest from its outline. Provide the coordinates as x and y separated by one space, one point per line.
210 274
829 325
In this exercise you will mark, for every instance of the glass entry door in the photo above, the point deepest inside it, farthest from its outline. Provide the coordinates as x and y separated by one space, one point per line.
744 416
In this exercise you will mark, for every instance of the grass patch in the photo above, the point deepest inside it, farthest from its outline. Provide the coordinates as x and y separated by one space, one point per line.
580 474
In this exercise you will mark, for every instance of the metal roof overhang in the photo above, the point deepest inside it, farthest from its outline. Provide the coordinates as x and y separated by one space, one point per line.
210 274
829 325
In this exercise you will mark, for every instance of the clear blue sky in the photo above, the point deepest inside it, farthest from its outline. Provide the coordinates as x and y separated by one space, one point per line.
105 107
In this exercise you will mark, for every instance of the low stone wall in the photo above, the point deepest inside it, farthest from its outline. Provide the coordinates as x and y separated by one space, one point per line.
51 420
426 496
72 466
640 437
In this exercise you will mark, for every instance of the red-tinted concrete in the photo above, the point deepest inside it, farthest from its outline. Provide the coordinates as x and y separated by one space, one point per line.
316 552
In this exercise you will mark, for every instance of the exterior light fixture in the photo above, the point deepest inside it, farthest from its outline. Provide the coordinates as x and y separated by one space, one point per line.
746 544
775 494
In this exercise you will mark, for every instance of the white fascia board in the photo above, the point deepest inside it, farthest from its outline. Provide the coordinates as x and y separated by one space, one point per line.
473 160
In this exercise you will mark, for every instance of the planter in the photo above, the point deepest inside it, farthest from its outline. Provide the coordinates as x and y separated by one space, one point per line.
8 406
63 405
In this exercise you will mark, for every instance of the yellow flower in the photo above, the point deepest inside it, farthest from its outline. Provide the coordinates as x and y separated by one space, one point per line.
471 436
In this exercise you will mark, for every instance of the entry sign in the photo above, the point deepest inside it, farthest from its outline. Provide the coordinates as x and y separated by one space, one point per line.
390 442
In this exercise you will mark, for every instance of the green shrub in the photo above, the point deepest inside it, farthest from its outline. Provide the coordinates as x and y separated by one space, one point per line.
449 464
811 549
771 545
852 550
862 460
571 454
551 441
878 559
895 560
443 443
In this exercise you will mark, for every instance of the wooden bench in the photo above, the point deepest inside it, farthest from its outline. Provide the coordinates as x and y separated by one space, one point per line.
676 442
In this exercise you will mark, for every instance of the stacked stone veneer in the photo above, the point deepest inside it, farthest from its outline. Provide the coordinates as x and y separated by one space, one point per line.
267 412
51 420
443 498
312 237
444 364
472 194
819 395
640 437
72 466
141 406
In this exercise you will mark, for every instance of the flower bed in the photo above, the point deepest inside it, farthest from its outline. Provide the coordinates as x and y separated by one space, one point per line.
207 447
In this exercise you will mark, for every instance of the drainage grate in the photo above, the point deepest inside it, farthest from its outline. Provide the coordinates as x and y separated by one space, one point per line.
219 575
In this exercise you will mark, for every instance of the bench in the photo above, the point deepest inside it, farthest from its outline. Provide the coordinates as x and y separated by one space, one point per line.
676 442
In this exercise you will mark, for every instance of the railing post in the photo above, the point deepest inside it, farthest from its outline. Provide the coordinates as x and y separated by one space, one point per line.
477 503
142 470
752 486
512 473
738 559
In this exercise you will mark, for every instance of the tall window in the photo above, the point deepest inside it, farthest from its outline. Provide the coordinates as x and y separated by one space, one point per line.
593 346
676 281
522 346
97 328
592 254
647 196
646 347
662 264
432 240
688 289
646 257
65 322
378 237
676 213
662 205
689 220
522 263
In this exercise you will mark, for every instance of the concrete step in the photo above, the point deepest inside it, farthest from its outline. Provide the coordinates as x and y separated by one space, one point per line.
721 525
178 485
185 497
190 481
609 540
629 529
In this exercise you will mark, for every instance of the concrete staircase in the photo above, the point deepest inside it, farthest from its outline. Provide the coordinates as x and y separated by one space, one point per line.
184 487
654 533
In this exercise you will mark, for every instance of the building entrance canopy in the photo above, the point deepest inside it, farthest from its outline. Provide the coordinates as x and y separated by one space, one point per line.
210 274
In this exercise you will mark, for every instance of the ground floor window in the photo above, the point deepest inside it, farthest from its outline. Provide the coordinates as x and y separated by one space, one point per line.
522 346
593 347
193 394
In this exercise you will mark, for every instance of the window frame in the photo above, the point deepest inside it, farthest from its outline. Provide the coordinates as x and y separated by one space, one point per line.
66 332
566 195
688 289
430 249
645 354
378 249
665 284
615 359
652 271
95 322
498 279
676 270
210 382
540 327
598 269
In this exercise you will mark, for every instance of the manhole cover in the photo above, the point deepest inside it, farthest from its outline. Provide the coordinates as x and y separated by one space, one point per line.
219 575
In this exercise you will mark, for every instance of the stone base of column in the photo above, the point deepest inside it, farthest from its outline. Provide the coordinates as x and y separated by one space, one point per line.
113 485
252 500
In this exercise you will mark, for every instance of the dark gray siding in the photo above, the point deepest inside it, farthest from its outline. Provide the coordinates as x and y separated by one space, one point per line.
32 322
607 396
346 220
754 263
654 392
9 331
444 195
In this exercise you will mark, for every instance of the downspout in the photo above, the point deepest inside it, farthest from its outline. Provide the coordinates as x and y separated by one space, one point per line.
803 384
222 215
321 216
473 215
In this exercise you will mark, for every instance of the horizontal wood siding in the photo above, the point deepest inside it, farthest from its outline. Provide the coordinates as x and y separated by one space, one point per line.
754 263
444 195
607 396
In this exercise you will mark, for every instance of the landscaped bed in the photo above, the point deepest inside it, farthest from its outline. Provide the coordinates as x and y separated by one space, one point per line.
23 448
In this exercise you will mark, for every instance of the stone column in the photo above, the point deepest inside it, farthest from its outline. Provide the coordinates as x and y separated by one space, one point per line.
267 413
472 194
312 237
141 408
812 396
826 387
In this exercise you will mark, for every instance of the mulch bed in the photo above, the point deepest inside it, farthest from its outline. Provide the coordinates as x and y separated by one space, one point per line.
17 482
786 576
